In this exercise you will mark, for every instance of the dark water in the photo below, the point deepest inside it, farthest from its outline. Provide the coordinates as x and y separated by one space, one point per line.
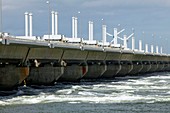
132 94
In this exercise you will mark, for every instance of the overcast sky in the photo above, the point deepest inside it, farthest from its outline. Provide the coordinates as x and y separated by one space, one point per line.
146 16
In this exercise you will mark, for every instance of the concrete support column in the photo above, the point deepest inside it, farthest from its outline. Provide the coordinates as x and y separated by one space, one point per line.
137 67
126 68
73 73
46 75
112 70
160 66
95 71
146 67
154 66
12 76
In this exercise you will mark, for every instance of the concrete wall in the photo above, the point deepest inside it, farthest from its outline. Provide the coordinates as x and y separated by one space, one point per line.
45 53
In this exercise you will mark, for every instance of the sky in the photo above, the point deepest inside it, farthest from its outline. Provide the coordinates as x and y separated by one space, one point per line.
149 18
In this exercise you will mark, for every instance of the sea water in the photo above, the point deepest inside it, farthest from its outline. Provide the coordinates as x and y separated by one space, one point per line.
148 93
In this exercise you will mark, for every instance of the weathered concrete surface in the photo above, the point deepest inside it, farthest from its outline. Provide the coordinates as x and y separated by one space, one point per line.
166 67
149 57
125 69
95 71
154 67
11 76
70 54
45 53
44 75
25 73
146 67
93 55
112 70
13 52
136 69
113 56
160 67
72 73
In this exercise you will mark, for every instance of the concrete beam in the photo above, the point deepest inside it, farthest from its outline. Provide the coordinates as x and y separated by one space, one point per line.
93 55
71 54
13 52
45 53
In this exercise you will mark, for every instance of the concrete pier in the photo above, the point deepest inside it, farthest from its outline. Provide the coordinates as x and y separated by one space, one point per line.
72 73
95 70
113 63
112 69
146 67
45 75
11 76
126 68
96 65
137 67
154 67
75 67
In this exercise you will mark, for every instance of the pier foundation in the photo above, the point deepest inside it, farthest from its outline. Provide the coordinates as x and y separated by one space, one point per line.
12 76
137 67
112 69
95 71
45 75
126 68
72 73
